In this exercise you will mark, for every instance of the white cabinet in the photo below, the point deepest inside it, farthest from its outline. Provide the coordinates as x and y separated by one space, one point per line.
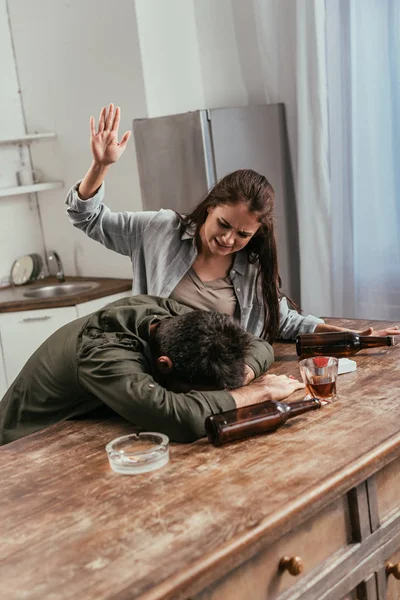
88 307
23 332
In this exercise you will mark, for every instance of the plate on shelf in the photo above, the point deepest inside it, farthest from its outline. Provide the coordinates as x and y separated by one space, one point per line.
26 268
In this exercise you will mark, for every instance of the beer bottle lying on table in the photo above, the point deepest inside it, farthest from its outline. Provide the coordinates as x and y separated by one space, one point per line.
258 418
338 343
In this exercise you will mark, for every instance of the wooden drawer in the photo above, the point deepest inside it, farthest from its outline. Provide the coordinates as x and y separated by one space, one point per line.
351 596
314 542
393 584
388 489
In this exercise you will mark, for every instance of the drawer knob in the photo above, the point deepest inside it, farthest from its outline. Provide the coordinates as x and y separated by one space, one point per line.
393 569
292 564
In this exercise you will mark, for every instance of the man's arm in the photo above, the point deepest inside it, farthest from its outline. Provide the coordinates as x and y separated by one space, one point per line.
259 358
121 379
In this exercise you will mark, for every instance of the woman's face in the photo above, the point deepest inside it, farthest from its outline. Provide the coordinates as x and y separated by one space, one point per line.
228 228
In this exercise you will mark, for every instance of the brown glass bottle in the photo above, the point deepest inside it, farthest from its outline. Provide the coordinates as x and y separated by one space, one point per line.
338 343
258 418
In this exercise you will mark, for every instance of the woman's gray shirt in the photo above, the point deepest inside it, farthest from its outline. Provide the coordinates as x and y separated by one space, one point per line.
161 255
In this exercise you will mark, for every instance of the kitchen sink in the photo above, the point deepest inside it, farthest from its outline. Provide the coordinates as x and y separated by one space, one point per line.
61 289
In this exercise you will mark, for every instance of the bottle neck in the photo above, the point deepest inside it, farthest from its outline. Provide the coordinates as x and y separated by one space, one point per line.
370 341
302 406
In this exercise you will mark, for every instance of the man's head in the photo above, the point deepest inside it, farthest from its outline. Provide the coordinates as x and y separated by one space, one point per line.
201 350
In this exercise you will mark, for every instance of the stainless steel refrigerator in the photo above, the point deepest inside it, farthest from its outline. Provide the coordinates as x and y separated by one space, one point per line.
180 157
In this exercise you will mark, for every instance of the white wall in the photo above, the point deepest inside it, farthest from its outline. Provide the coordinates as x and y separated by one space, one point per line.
73 57
170 56
19 221
198 54
224 80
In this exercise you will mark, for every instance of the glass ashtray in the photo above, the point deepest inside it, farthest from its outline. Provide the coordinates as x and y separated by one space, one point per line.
138 452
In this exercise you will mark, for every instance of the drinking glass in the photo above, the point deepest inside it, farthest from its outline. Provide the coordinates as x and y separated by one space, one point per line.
319 375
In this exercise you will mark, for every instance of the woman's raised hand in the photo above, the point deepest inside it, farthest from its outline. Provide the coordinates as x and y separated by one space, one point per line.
104 142
106 150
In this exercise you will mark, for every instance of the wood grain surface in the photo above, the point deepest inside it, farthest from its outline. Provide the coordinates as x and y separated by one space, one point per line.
12 298
72 528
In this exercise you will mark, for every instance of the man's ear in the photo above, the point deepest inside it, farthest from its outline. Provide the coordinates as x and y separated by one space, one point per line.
164 365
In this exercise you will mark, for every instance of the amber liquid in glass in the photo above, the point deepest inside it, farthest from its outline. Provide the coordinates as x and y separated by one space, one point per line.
322 389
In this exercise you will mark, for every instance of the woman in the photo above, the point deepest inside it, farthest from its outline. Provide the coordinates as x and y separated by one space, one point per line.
220 257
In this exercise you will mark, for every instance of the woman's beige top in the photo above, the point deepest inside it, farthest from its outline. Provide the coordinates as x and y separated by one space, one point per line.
217 295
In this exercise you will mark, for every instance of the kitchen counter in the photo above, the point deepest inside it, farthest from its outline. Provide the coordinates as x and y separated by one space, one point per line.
12 298
215 522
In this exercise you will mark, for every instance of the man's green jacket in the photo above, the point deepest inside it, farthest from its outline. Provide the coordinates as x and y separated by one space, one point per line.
105 358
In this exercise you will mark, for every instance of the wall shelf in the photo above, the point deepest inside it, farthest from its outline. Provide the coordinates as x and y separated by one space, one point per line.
27 139
19 190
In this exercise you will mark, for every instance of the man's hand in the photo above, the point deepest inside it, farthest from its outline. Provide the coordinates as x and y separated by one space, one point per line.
266 387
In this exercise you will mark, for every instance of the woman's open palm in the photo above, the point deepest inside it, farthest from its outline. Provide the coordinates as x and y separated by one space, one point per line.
104 142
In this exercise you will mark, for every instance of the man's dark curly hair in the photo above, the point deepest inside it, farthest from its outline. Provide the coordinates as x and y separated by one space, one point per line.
206 348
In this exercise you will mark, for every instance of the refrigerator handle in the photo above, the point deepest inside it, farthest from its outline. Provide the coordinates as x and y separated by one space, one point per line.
206 132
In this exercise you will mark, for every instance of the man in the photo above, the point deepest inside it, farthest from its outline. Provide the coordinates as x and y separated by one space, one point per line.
153 361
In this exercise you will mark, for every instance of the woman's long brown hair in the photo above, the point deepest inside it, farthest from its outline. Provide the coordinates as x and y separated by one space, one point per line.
256 192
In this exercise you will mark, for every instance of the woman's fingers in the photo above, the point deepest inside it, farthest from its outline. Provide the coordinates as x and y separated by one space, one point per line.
390 331
365 332
115 123
124 140
104 142
109 117
108 121
382 332
92 126
100 127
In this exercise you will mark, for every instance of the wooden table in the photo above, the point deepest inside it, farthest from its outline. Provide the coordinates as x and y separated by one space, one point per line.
215 522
